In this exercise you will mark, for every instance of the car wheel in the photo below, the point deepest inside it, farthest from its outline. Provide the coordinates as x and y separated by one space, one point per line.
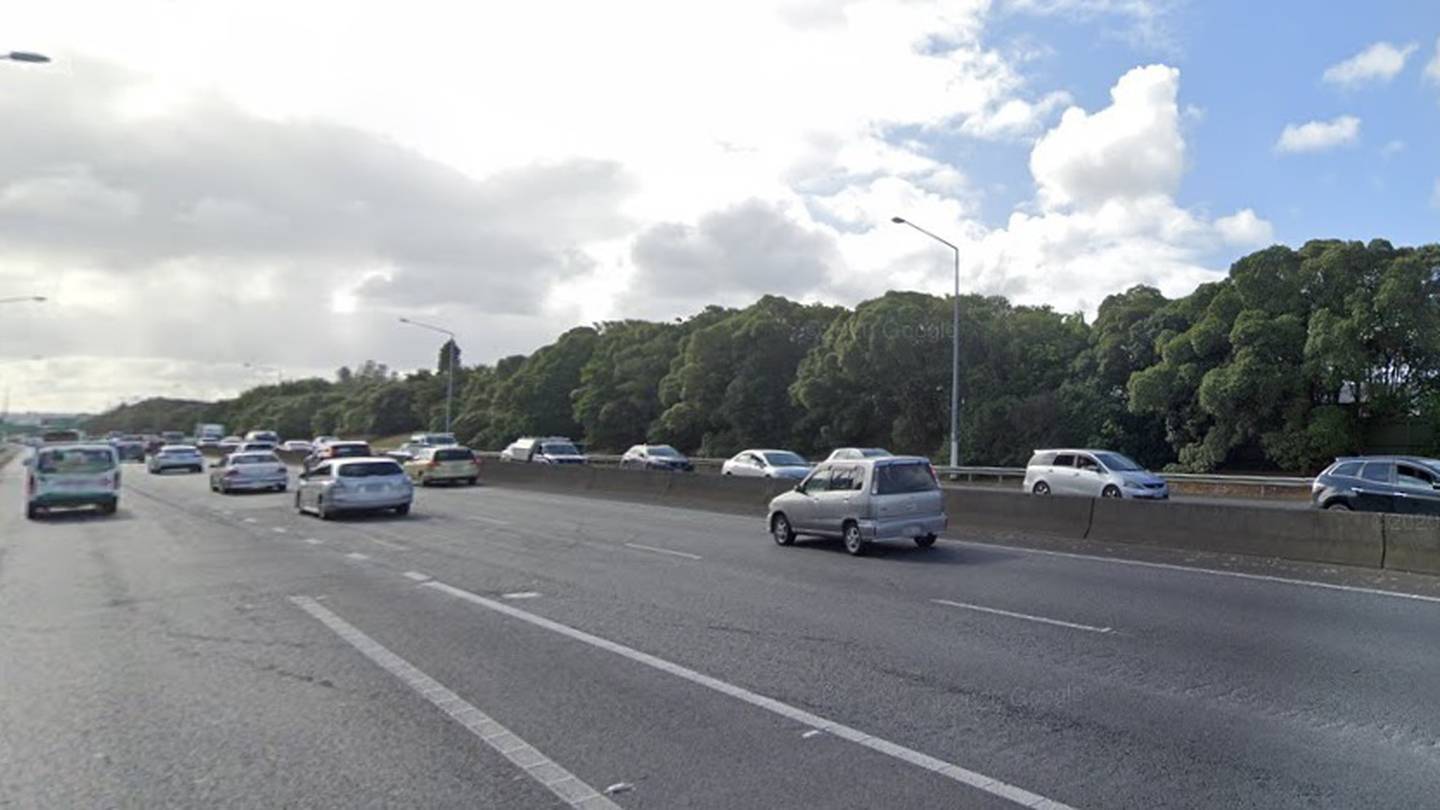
321 510
298 507
403 509
1041 488
32 512
109 507
280 488
197 470
925 540
854 542
781 530
473 481
1337 506
1111 491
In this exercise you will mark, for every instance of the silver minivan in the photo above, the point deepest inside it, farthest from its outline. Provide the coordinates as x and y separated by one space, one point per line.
354 485
862 500
1091 474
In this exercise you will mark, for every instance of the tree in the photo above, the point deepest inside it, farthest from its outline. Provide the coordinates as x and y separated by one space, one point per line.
449 351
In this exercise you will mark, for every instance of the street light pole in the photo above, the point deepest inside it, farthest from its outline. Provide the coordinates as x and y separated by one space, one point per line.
20 299
450 366
954 345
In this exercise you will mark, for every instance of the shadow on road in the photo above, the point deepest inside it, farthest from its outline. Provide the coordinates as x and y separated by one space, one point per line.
80 515
905 551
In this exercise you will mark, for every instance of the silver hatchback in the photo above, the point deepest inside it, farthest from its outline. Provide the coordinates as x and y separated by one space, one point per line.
248 471
863 500
354 485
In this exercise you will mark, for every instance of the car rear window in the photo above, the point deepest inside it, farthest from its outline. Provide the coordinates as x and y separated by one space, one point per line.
894 479
254 458
454 455
350 450
75 460
1041 460
367 469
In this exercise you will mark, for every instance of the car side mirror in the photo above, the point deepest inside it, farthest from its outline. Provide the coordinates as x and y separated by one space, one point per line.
800 488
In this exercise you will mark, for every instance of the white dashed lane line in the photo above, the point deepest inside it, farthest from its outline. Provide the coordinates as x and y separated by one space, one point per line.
979 781
355 555
1024 616
657 550
529 759
417 576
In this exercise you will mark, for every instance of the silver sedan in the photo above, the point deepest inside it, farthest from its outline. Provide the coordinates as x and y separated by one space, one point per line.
766 464
249 471
354 485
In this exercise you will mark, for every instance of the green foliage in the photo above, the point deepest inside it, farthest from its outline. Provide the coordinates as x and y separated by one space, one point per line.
1295 357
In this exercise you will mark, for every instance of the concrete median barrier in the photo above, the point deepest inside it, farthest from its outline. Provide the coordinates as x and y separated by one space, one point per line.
1412 543
545 477
647 485
997 509
1315 536
747 496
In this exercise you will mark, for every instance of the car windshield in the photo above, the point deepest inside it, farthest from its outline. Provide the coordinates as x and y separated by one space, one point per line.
350 450
369 469
664 451
254 458
782 458
440 438
75 460
874 452
559 449
1118 463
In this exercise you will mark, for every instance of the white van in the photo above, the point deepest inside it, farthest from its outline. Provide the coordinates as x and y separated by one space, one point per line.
66 475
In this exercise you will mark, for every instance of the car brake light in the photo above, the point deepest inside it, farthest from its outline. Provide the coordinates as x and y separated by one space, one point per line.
933 475
30 484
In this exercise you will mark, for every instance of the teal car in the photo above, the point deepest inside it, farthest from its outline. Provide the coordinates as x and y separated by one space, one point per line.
72 475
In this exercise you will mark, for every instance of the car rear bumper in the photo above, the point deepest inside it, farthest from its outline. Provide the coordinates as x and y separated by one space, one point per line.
267 482
905 526
162 466
74 499
361 503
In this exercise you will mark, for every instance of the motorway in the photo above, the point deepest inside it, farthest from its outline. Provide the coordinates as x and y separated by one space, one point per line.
503 648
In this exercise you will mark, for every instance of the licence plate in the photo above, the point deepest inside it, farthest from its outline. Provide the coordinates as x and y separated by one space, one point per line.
373 488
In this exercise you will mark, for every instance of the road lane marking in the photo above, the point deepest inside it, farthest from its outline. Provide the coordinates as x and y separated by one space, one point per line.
490 520
979 781
417 576
1026 616
250 520
313 541
1212 571
529 759
355 555
663 551
279 529
520 595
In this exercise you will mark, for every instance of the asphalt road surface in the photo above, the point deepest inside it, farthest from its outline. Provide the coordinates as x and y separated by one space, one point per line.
500 648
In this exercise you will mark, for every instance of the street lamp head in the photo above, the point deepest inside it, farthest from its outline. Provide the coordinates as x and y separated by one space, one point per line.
405 320
38 298
27 56
898 220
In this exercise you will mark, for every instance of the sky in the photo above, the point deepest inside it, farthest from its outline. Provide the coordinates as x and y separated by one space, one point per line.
215 194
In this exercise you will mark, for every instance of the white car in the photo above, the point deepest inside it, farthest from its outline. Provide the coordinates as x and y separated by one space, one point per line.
354 485
857 453
766 464
1092 474
297 446
176 456
65 475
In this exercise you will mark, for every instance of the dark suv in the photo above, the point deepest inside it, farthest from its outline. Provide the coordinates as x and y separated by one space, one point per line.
1402 484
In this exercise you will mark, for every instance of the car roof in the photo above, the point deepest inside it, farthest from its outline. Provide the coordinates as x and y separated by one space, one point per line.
341 462
878 460
177 447
349 441
74 446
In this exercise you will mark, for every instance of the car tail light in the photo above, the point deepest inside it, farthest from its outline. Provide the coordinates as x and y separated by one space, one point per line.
933 475
475 461
433 464
30 484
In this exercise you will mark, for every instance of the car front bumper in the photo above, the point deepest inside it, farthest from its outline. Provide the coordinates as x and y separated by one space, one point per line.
905 526
1147 494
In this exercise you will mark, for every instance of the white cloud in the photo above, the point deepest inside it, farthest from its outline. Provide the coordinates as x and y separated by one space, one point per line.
1318 136
1131 148
1379 63
1432 70
1392 148
1015 117
1245 228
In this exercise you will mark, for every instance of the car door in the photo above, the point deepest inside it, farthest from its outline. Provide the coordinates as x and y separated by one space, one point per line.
1415 490
837 502
751 466
1061 475
1374 490
314 484
217 470
805 511
1088 478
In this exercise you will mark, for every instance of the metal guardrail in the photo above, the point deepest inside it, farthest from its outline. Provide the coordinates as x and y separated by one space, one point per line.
1016 473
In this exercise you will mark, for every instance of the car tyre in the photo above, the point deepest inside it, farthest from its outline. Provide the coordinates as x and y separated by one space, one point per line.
321 510
298 507
781 530
1110 491
32 512
109 507
281 488
1040 488
403 509
854 541
1337 506
473 481
925 540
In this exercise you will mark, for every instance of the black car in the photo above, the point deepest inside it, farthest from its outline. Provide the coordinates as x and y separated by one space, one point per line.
1400 484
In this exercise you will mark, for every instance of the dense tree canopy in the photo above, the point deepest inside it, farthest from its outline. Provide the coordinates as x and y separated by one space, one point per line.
1296 356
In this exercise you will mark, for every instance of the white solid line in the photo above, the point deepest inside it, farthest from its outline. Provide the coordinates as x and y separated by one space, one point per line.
539 767
686 555
949 770
520 595
355 555
1026 616
1212 571
417 576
